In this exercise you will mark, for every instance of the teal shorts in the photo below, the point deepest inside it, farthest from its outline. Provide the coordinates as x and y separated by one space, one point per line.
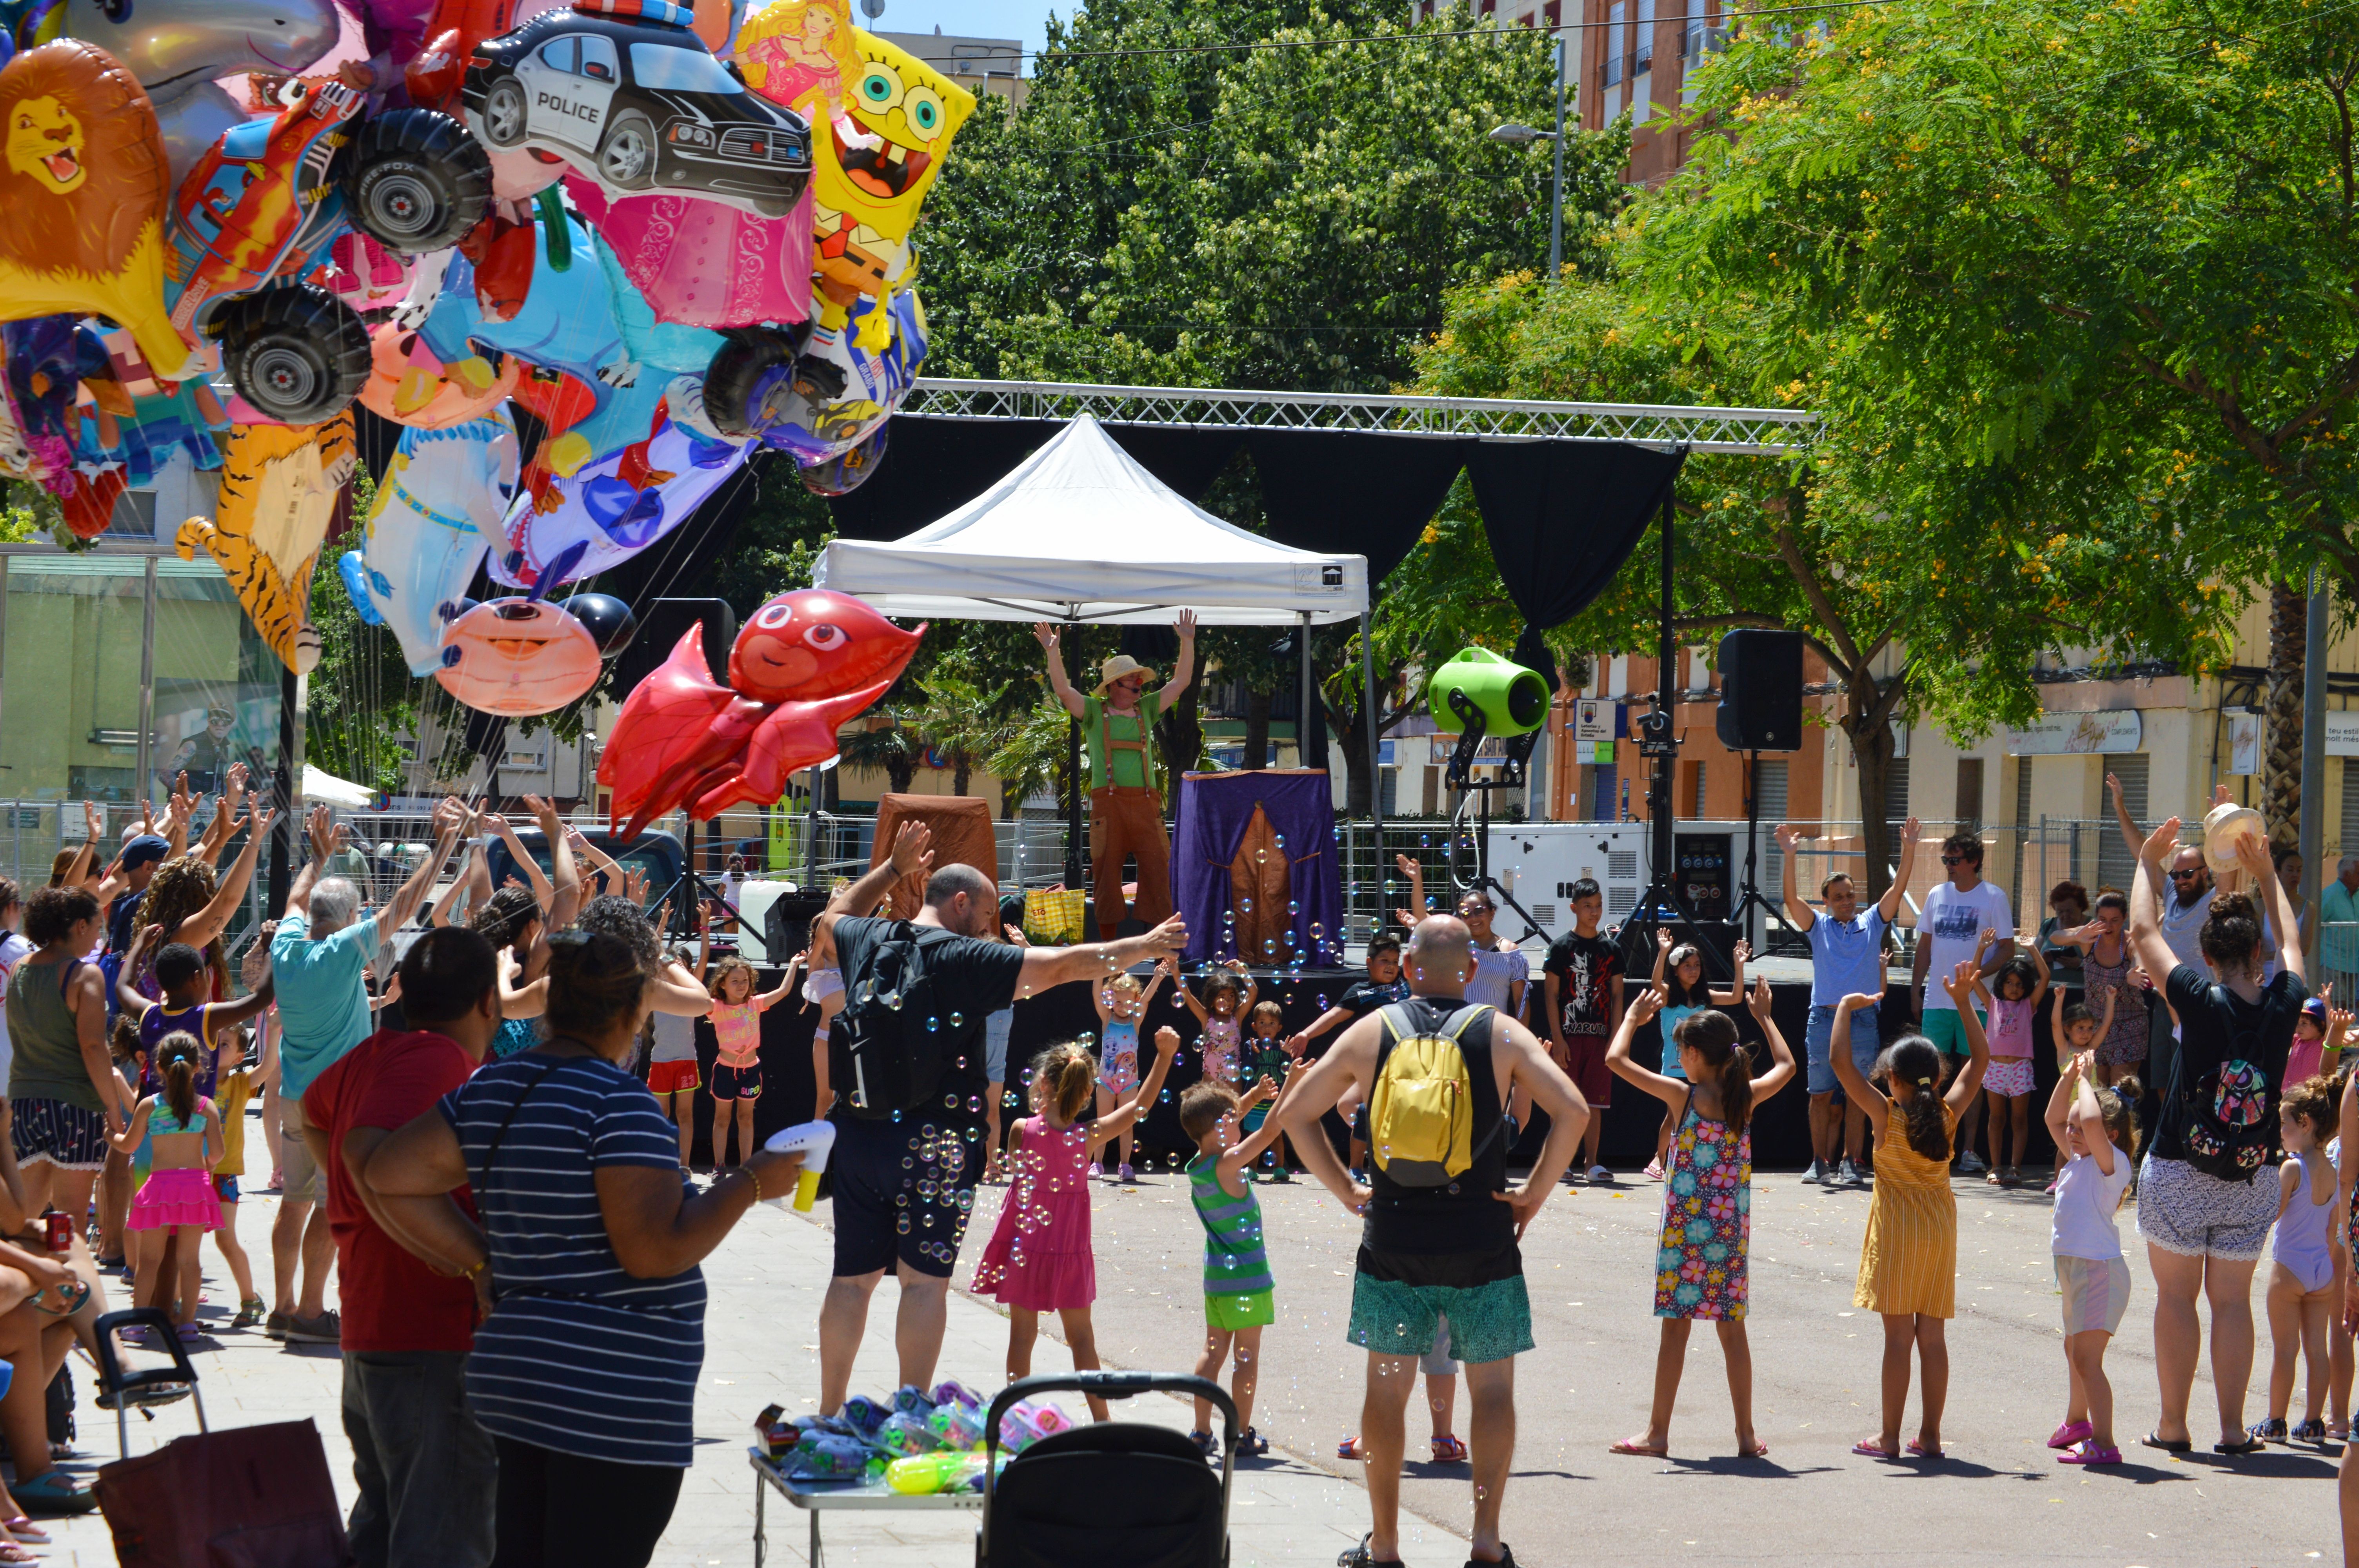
1487 1323
1253 1309
1946 1033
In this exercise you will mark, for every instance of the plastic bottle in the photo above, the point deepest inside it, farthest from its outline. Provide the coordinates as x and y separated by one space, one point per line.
906 1434
922 1474
812 1141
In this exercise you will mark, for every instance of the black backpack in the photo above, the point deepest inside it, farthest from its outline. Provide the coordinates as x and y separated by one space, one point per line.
890 1046
2230 1113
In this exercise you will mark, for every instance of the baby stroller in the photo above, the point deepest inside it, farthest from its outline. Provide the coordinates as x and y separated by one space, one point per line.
1107 1491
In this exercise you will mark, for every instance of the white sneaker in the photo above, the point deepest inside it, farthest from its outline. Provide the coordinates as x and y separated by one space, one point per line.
1815 1171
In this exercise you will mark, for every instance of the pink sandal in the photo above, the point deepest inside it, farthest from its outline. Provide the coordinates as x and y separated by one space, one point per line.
2088 1452
2070 1432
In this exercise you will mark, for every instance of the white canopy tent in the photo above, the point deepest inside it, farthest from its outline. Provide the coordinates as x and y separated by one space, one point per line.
1081 532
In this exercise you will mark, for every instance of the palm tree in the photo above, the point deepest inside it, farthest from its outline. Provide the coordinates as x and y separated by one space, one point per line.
891 746
960 722
1032 756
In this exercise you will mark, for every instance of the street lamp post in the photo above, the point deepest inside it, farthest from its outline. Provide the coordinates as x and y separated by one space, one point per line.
1520 134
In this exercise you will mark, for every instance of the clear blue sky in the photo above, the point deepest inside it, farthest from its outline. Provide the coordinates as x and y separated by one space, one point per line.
1025 19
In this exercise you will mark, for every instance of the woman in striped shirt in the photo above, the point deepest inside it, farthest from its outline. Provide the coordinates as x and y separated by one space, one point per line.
584 1370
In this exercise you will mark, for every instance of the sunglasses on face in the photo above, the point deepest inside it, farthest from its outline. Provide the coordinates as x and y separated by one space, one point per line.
2183 876
1953 860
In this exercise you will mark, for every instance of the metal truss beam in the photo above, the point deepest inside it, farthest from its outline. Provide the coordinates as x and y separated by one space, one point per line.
1758 432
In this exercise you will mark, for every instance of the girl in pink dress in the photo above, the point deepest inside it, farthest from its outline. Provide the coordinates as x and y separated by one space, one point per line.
1039 1258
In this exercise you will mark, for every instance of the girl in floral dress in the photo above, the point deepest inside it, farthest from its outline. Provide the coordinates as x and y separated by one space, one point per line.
1700 1263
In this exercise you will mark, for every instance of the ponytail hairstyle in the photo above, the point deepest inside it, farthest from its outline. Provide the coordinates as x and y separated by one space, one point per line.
2232 935
2118 1106
1675 992
2311 1102
1065 1079
176 1065
1911 1070
1712 1034
594 981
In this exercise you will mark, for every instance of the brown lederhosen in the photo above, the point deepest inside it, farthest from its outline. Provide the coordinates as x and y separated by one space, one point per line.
1127 820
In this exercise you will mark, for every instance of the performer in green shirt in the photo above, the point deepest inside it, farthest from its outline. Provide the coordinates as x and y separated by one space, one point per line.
1125 804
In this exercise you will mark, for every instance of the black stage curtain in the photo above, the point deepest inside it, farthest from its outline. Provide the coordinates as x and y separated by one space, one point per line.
1352 493
1562 517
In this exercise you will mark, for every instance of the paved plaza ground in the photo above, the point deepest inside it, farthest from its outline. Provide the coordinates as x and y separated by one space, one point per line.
1998 1497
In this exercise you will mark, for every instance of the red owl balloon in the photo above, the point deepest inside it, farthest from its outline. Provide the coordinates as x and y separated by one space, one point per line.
807 662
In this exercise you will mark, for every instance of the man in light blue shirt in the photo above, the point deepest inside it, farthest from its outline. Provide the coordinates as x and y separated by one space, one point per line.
1846 959
2338 930
316 956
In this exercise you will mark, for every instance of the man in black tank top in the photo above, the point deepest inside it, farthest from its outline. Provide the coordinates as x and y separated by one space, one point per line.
1428 1252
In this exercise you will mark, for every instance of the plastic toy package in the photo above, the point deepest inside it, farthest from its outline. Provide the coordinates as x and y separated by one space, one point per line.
917 1442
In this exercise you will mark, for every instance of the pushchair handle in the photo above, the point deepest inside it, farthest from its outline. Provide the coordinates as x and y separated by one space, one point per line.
1109 1385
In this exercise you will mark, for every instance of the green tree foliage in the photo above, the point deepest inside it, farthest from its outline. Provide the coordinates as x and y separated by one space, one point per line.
2089 264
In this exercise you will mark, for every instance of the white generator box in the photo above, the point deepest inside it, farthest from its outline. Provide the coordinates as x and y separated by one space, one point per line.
1539 862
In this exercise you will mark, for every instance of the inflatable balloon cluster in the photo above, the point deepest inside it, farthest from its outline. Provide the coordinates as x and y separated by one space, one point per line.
672 234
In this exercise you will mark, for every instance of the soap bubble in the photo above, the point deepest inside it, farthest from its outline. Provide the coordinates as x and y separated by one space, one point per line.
958 1021
1294 907
932 1024
1245 904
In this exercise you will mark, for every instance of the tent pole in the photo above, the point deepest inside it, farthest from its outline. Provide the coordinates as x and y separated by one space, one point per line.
1376 751
1302 720
1073 794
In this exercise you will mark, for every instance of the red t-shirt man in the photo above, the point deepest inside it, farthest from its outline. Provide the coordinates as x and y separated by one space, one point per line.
391 1301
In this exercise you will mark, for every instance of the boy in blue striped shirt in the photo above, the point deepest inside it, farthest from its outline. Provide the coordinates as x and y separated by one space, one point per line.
1238 1291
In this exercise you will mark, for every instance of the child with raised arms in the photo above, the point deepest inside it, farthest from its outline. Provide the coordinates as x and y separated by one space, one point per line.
176 1202
2012 1000
2075 1030
1908 1259
2093 1126
1229 994
1041 1258
1122 1005
2303 1262
1678 977
1240 1298
736 1015
1699 1260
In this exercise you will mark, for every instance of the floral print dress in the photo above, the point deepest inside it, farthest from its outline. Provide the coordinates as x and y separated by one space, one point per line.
1707 1221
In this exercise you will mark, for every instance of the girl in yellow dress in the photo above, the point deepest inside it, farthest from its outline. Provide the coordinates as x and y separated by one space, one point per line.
1909 1260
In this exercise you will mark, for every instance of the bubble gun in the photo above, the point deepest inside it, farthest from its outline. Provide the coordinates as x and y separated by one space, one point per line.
811 1140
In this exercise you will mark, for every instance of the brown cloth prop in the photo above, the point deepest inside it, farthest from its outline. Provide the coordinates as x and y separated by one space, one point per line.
962 835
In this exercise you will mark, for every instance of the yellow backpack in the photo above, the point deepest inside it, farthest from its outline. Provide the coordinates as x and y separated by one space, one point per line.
1421 1111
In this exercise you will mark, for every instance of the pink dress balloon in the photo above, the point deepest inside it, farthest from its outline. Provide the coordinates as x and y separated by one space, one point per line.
700 263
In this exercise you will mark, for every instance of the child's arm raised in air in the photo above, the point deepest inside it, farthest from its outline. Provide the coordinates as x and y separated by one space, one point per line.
2091 1120
2031 946
1662 952
1856 1088
2338 1029
1253 989
1121 1118
1781 1071
1736 991
126 996
1982 946
1248 1149
2059 1100
1970 1076
1643 1008
1187 993
127 1141
1166 968
771 998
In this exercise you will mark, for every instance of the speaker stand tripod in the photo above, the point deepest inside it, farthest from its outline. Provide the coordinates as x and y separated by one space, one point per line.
1749 895
1460 775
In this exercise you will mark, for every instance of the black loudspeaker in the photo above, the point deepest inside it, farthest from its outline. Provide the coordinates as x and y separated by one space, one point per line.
1760 690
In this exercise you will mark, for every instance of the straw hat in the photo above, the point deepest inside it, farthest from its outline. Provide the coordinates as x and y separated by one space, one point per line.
1115 668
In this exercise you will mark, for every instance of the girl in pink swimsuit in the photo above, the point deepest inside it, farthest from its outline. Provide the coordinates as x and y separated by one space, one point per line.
1228 996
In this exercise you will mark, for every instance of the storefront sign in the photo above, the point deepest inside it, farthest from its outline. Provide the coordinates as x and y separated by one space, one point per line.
2343 733
2062 734
1593 720
1593 753
2243 741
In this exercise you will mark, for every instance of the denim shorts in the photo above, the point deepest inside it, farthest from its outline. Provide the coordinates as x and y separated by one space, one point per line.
1818 1043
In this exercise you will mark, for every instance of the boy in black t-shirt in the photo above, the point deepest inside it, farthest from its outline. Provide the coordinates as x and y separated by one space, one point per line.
1383 986
1583 978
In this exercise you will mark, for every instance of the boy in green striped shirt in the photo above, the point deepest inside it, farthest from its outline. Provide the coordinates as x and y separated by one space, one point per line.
1238 1289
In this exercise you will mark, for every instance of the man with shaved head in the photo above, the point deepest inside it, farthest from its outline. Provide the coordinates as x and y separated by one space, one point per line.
905 1183
1428 1252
